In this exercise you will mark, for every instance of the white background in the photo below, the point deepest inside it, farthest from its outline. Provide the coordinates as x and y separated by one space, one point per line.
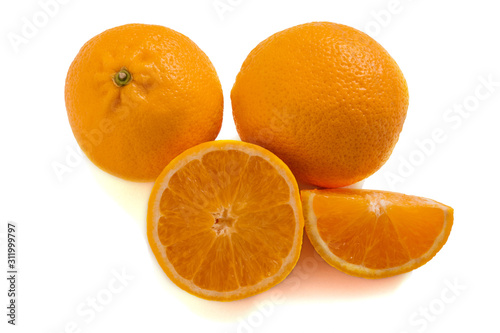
76 233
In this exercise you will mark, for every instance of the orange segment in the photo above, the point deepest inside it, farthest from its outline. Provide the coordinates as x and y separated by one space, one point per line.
225 220
218 259
375 234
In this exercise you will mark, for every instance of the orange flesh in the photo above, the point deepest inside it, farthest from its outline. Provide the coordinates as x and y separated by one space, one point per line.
379 230
226 220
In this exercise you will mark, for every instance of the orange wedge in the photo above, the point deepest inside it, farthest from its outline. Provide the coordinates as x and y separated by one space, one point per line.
375 234
225 220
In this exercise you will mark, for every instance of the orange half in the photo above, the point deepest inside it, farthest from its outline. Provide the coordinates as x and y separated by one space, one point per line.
375 234
225 220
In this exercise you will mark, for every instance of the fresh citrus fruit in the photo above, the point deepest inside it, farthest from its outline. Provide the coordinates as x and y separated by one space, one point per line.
326 98
225 220
138 95
375 234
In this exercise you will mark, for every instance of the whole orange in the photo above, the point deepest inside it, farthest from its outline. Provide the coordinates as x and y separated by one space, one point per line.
326 98
138 95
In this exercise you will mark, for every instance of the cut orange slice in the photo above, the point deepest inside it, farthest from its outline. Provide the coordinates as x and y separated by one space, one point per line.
225 220
375 234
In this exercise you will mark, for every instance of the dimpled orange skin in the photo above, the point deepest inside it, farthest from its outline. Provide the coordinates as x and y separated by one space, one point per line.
173 101
326 98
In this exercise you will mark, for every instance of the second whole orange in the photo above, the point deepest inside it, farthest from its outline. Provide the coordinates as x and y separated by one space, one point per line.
138 95
326 98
